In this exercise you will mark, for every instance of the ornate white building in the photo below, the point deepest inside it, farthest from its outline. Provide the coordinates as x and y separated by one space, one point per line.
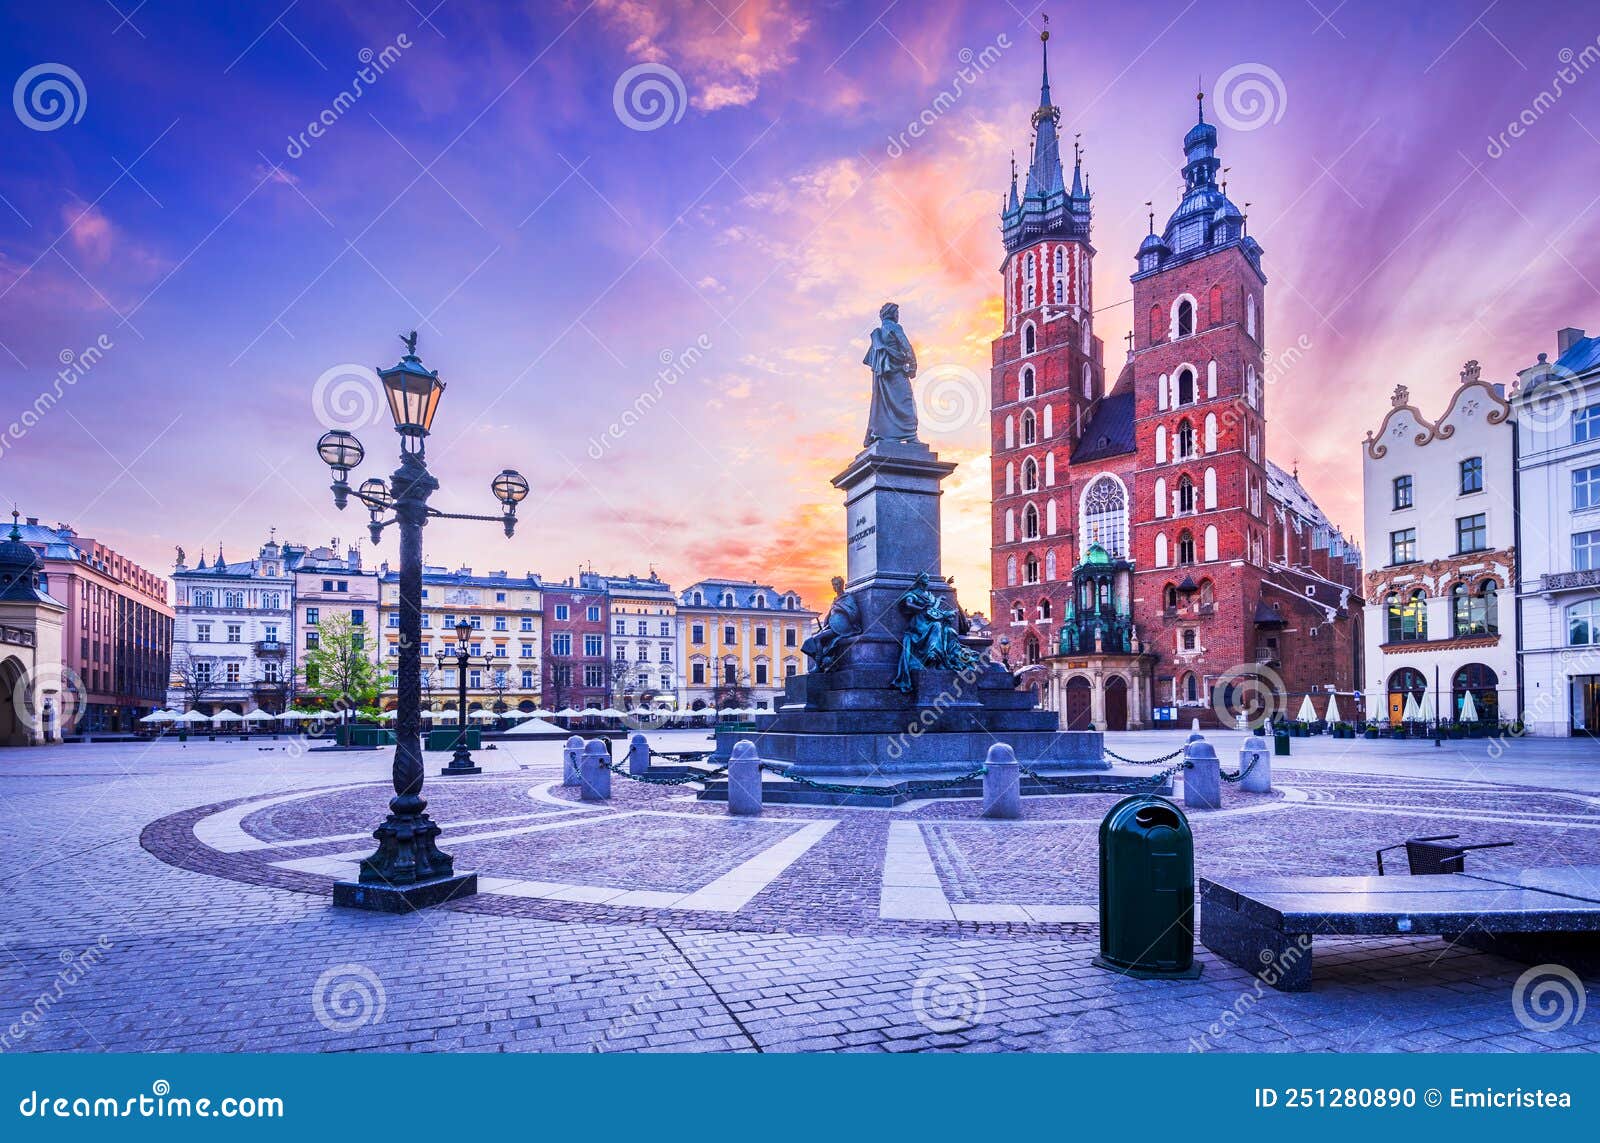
233 632
1441 546
1557 408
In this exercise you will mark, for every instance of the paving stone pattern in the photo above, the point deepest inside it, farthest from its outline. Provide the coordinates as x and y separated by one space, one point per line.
204 950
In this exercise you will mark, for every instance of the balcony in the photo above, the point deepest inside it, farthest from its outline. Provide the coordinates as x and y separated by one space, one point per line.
1569 581
271 647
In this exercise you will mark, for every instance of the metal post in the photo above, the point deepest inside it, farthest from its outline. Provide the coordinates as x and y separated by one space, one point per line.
408 871
461 760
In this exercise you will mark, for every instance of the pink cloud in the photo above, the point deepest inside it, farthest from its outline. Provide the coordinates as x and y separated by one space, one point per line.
722 59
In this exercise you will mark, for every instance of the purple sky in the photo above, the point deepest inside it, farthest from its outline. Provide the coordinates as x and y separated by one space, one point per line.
485 189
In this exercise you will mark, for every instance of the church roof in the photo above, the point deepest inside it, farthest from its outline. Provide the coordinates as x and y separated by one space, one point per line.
1047 208
1288 491
1110 429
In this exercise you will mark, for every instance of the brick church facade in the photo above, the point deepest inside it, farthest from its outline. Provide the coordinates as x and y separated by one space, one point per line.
1147 556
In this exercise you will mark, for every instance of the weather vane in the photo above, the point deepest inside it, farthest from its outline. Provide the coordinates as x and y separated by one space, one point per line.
410 340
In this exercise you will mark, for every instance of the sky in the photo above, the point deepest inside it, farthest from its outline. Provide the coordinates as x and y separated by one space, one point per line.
643 244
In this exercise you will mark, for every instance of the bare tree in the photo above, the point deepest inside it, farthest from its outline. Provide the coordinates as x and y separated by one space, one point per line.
195 678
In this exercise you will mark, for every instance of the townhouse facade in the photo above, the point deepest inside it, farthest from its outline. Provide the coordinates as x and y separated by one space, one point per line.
740 641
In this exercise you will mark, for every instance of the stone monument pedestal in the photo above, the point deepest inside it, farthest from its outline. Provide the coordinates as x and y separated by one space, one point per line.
851 723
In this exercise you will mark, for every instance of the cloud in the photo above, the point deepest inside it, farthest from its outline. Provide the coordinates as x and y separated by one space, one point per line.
89 231
722 59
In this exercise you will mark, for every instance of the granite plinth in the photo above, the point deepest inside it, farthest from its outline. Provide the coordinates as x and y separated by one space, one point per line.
888 791
1268 922
382 898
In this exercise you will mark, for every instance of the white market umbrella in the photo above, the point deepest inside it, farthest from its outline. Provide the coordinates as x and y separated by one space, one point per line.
1427 707
1412 711
568 712
226 716
259 715
611 712
1307 713
192 716
1333 709
483 715
158 716
541 713
389 715
1469 708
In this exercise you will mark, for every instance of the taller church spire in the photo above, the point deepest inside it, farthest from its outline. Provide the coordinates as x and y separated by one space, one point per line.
1047 208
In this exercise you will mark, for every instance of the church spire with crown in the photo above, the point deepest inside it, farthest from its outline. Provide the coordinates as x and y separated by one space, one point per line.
1047 208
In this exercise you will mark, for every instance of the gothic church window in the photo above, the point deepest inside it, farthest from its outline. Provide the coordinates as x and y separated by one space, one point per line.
1105 516
1185 318
1027 382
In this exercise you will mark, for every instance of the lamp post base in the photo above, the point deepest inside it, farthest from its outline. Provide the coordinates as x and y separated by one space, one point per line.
377 897
454 768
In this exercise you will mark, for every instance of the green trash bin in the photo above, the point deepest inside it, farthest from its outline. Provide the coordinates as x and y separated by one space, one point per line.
1147 890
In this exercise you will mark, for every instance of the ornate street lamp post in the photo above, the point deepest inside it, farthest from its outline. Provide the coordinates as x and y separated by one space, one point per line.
407 871
461 760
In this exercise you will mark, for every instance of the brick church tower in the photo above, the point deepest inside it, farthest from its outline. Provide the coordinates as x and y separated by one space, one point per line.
1199 532
1207 572
1045 375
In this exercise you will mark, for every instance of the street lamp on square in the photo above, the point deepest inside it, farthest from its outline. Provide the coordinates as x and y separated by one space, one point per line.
408 871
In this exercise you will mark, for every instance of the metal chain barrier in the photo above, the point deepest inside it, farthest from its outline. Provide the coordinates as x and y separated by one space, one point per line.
1143 762
622 769
1155 781
1242 774
915 790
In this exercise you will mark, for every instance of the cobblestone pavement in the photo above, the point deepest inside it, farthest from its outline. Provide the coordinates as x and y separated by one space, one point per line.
176 897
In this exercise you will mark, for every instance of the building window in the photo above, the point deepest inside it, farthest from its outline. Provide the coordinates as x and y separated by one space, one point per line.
1583 624
563 613
1028 342
1183 441
527 623
1185 495
1030 523
761 675
312 616
1186 548
1407 617
231 672
620 626
593 645
1586 488
697 633
594 613
1185 318
525 651
1030 428
1472 533
313 640
527 680
1030 475
1027 383
1403 546
561 644
1030 570
1474 613
202 632
761 636
1472 475
728 637
269 671
1403 492
1185 387
499 622
1585 551
1586 425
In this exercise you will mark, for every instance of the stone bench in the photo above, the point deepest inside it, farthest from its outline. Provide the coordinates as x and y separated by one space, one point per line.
1265 924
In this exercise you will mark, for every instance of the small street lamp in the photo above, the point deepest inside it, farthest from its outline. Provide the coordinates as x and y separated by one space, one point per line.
461 760
407 871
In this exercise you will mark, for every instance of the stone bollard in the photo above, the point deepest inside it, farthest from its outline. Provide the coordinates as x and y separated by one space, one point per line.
744 780
638 756
595 771
1002 783
570 753
1255 763
1202 779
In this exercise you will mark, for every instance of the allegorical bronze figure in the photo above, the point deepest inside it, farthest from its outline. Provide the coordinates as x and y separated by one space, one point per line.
835 630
